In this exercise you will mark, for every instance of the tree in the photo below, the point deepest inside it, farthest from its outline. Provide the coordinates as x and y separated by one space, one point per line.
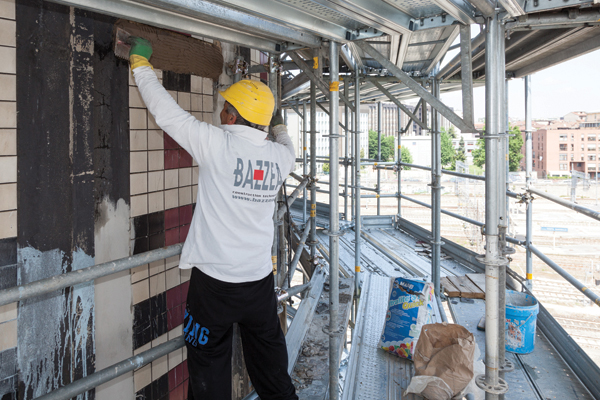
451 131
326 168
461 154
387 146
406 157
448 152
515 142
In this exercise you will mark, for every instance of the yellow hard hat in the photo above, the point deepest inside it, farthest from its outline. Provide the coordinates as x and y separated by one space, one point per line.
252 99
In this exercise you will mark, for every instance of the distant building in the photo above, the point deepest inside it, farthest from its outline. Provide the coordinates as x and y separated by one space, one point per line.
592 120
575 116
389 119
470 140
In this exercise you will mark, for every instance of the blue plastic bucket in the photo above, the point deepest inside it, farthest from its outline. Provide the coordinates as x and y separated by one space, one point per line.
521 318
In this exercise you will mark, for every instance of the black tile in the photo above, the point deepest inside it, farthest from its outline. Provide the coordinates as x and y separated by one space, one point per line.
154 390
141 314
8 251
156 241
179 82
141 245
163 386
144 393
155 334
140 224
8 363
8 276
162 324
158 304
156 222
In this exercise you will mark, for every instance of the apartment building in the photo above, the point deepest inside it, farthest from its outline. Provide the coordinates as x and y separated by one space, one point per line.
389 119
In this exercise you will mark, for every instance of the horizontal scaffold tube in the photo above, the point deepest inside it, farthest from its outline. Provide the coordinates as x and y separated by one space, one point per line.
575 207
292 197
287 293
58 282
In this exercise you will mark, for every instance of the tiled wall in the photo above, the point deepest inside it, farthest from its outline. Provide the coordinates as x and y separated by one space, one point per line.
164 184
8 196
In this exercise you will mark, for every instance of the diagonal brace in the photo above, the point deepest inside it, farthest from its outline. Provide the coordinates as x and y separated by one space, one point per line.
323 87
327 112
400 105
417 88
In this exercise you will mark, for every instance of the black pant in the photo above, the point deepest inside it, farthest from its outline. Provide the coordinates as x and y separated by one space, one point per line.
212 308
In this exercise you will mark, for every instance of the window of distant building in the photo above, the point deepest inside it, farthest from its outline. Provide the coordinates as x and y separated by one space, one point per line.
579 164
572 138
562 157
582 136
582 147
591 167
572 147
591 138
591 147
592 157
582 157
572 157
563 167
562 138
563 147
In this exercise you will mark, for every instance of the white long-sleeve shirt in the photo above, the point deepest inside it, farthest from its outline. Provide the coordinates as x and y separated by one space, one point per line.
240 172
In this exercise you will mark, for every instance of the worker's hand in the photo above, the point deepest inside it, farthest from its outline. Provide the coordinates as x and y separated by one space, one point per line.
140 53
277 118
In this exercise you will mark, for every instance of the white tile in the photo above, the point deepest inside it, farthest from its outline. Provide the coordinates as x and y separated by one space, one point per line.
207 104
172 278
8 87
156 160
138 140
156 140
8 196
139 205
139 291
195 193
196 102
185 274
157 284
171 262
142 349
8 169
185 176
160 340
160 367
138 161
175 358
7 9
183 99
207 86
138 183
8 224
135 98
171 198
156 181
8 113
138 118
171 178
185 195
195 171
139 273
157 267
8 312
173 94
196 84
8 142
8 60
151 122
142 377
156 202
8 335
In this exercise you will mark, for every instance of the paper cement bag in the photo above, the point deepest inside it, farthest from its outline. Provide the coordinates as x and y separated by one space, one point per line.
409 309
444 351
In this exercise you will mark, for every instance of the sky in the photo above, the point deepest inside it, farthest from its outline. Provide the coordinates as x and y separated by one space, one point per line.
571 86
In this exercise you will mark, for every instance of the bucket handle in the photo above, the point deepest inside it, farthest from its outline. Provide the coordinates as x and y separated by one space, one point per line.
524 322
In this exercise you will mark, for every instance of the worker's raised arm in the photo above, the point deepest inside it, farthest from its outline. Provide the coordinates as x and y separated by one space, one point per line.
281 136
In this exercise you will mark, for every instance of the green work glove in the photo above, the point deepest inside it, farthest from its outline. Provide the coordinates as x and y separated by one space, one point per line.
277 118
140 53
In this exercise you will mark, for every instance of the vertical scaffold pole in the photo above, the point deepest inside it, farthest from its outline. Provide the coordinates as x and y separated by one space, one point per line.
436 190
528 168
304 158
378 193
334 222
399 161
357 161
346 151
313 162
353 161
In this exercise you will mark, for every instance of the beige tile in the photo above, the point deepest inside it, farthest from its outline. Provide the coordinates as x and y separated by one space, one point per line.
8 60
140 291
207 117
185 176
135 98
173 94
177 331
185 195
156 160
131 78
194 193
195 102
8 224
194 162
175 358
172 278
171 198
8 196
196 84
8 33
198 115
8 142
157 284
138 140
207 104
139 205
171 178
159 74
142 349
142 377
183 99
156 202
138 161
8 169
8 113
139 273
156 181
7 9
185 274
184 352
138 183
195 171
155 140
160 340
8 87
157 267
207 86
8 335
138 118
172 262
8 312
160 367
152 123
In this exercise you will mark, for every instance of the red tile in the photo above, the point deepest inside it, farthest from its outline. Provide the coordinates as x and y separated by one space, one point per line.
171 159
184 291
172 237
179 373
172 380
185 160
173 297
186 386
177 394
185 215
172 217
178 315
183 232
171 320
169 142
185 371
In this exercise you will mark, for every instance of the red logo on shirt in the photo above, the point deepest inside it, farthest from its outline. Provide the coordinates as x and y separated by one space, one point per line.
259 174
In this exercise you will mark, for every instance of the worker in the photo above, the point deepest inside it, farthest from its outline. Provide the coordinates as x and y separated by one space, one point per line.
229 243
